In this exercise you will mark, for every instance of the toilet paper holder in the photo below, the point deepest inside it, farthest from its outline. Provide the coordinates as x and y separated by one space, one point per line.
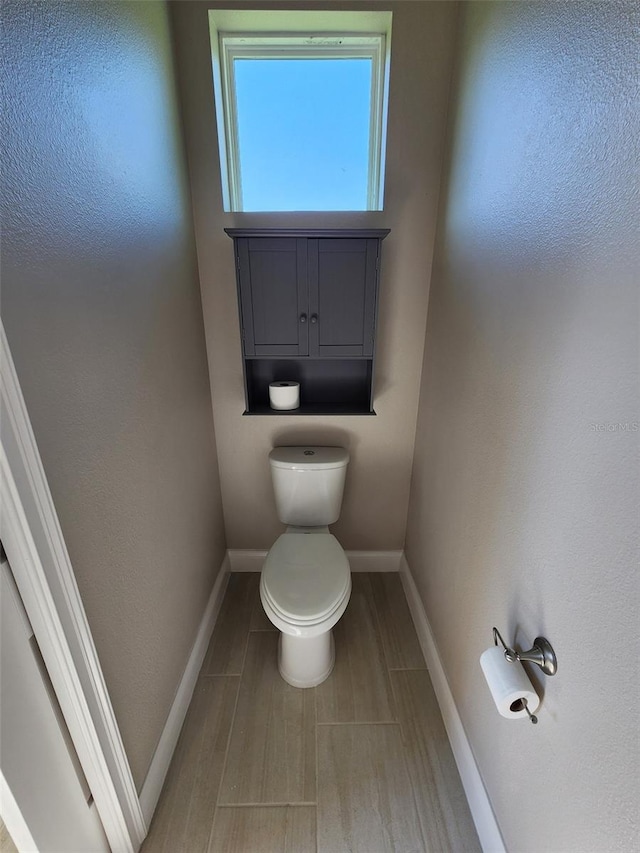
541 653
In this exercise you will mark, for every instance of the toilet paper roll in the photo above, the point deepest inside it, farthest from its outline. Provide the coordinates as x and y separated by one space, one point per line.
284 395
508 683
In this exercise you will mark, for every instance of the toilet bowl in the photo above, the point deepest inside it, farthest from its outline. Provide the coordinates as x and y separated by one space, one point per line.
306 581
305 588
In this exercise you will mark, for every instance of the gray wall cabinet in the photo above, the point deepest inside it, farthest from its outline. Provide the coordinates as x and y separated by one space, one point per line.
308 305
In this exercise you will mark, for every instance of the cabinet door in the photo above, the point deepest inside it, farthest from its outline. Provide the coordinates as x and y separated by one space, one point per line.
342 296
272 274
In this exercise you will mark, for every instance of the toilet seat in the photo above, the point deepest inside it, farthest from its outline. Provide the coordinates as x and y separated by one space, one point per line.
305 578
301 627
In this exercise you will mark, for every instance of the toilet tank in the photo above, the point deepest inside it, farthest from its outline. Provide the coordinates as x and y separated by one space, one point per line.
308 483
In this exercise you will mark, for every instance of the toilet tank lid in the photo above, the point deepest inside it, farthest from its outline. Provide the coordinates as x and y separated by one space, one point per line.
308 457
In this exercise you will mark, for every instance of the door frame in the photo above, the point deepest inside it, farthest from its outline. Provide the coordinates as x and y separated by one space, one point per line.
36 550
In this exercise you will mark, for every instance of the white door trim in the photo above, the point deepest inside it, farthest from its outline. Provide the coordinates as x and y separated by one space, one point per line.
32 537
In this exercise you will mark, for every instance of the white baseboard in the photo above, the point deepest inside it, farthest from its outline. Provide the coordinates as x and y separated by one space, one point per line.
374 561
479 803
244 560
169 738
360 561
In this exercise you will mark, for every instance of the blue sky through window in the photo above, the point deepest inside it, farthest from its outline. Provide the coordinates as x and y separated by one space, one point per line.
303 133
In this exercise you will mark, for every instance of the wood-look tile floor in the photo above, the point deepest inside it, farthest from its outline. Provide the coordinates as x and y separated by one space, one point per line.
360 764
6 842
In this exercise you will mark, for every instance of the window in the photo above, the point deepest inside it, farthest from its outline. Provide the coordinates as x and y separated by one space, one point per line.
301 117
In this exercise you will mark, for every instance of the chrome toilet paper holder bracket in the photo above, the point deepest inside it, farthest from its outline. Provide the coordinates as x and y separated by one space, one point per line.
541 653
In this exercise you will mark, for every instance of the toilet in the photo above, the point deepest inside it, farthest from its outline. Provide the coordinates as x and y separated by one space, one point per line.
306 581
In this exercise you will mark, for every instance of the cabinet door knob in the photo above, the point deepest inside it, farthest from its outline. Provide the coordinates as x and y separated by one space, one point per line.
303 318
314 318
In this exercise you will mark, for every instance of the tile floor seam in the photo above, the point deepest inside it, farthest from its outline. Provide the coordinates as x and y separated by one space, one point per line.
362 723
407 668
295 805
385 654
203 733
403 734
246 649
206 675
404 739
379 625
226 751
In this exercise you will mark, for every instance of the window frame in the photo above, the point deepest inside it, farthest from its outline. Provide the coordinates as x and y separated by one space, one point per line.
298 45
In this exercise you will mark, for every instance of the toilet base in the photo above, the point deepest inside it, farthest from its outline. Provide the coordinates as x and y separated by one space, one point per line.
306 661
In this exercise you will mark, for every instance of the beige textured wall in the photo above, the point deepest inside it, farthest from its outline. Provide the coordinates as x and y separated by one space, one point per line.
524 500
102 309
376 495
